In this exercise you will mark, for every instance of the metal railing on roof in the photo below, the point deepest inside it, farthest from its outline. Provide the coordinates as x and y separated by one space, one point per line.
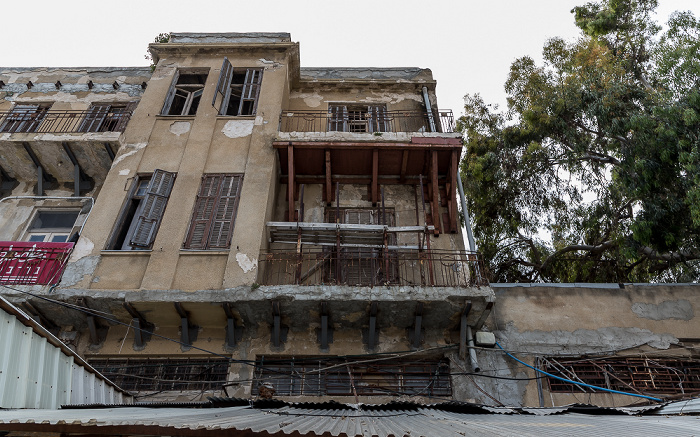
366 122
64 121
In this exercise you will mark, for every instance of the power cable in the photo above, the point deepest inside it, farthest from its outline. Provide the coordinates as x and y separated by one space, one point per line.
576 382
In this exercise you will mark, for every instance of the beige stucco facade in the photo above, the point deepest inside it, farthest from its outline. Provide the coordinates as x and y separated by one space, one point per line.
341 217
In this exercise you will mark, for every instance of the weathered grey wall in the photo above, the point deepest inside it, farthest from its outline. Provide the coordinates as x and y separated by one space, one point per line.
584 319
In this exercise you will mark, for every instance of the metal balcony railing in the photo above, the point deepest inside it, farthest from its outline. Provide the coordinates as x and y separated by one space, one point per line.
68 121
32 263
372 267
367 122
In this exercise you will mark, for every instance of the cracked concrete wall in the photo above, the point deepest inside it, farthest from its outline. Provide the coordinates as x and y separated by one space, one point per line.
550 321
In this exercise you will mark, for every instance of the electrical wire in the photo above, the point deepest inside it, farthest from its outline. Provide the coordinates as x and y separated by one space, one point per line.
576 382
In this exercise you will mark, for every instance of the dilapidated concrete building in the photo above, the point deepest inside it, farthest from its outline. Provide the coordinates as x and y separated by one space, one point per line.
231 224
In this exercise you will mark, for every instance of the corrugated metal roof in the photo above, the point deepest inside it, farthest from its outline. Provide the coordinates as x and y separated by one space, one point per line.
38 371
343 422
691 406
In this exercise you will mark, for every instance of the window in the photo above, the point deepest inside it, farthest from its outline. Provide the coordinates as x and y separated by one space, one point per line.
185 92
107 117
143 212
52 226
239 89
25 118
214 212
356 118
149 374
657 375
298 376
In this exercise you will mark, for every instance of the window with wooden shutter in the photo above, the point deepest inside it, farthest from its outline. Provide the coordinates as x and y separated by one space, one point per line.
185 92
214 212
154 204
94 118
142 212
239 89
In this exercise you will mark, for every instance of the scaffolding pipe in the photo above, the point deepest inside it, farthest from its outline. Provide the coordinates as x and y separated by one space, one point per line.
467 223
472 351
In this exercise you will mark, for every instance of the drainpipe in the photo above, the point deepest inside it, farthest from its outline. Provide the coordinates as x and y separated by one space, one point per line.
426 99
467 223
472 351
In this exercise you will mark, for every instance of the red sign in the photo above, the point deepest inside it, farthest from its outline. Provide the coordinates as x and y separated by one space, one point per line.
32 263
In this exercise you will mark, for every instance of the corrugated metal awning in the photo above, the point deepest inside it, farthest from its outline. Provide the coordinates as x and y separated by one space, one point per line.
290 420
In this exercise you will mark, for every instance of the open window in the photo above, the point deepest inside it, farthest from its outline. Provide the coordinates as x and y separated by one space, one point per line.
214 212
25 118
357 118
107 117
237 90
50 226
138 224
185 92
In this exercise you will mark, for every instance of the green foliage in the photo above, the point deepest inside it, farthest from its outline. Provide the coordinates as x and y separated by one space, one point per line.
593 172
159 39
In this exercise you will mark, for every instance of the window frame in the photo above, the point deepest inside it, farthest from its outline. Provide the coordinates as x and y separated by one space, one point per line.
249 89
107 116
191 96
142 213
50 233
25 117
214 199
357 117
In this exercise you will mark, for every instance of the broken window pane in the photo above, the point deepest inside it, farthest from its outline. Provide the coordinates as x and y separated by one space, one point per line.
239 89
357 118
25 118
185 93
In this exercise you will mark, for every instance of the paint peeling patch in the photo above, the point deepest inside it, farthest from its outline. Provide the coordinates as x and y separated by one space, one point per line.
312 100
238 128
258 120
669 309
245 263
82 249
76 271
124 172
179 127
582 341
135 148
269 65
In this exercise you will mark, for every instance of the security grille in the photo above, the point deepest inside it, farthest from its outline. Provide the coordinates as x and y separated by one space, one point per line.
140 374
647 375
334 376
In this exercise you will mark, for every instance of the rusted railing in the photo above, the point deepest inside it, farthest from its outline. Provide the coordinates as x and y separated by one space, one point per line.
55 121
370 267
367 122
32 262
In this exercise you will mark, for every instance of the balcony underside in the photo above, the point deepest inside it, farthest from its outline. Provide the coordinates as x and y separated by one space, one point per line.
348 307
433 162
22 154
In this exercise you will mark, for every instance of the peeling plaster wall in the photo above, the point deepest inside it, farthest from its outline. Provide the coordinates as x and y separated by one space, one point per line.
552 321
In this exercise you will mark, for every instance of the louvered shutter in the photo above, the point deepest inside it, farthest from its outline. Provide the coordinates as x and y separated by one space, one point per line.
223 85
125 116
154 202
214 212
171 95
337 118
225 213
94 118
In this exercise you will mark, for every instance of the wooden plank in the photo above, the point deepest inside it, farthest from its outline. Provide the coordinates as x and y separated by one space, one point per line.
291 181
452 191
375 177
435 204
360 145
437 141
329 183
404 164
